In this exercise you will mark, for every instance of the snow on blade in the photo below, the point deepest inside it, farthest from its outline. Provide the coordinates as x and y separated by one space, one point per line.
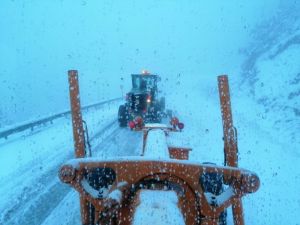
153 125
158 208
116 195
156 145
178 139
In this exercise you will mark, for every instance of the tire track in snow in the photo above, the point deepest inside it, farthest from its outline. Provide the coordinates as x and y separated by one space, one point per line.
120 142
32 205
37 201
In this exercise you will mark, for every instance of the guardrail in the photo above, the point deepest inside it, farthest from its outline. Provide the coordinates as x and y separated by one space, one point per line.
31 125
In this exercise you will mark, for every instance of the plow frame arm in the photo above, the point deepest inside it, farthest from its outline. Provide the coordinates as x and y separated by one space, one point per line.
131 173
230 140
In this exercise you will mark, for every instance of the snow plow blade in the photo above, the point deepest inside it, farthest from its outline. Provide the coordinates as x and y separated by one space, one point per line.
116 202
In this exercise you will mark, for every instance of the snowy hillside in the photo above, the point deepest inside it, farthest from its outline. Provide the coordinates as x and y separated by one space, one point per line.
271 71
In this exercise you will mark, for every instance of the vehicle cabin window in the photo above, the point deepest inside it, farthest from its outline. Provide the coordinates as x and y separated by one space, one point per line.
143 82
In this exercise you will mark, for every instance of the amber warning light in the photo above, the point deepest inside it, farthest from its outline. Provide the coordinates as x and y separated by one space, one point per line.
145 72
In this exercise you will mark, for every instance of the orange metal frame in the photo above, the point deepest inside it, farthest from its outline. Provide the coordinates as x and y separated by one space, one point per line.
193 203
230 141
78 132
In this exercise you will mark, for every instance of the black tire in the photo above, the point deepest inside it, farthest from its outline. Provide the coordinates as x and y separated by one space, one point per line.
162 104
122 116
157 118
156 115
169 113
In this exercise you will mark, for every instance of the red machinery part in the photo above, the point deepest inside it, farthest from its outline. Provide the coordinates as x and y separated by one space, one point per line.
138 120
131 124
174 121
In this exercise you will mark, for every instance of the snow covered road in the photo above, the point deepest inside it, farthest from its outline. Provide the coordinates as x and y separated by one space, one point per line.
30 189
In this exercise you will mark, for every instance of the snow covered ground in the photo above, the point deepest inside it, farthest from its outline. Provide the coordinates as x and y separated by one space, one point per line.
260 149
35 195
30 189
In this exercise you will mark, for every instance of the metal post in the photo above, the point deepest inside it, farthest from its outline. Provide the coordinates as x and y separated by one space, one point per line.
78 133
230 141
229 134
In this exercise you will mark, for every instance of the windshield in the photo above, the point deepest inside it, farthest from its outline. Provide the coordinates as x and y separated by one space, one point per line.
143 82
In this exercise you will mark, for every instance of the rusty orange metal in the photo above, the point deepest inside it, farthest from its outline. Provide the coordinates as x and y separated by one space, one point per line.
78 132
179 153
192 200
230 140
229 134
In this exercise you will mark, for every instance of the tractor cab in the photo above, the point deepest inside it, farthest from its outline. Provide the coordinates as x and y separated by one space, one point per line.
142 101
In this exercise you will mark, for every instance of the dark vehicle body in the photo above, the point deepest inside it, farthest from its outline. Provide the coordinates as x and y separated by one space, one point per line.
142 101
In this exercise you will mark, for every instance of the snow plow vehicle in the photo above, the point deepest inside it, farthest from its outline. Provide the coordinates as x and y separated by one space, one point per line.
160 186
142 101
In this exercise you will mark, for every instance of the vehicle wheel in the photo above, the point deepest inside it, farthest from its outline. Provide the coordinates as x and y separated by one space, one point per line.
169 113
122 117
162 104
157 118
156 115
